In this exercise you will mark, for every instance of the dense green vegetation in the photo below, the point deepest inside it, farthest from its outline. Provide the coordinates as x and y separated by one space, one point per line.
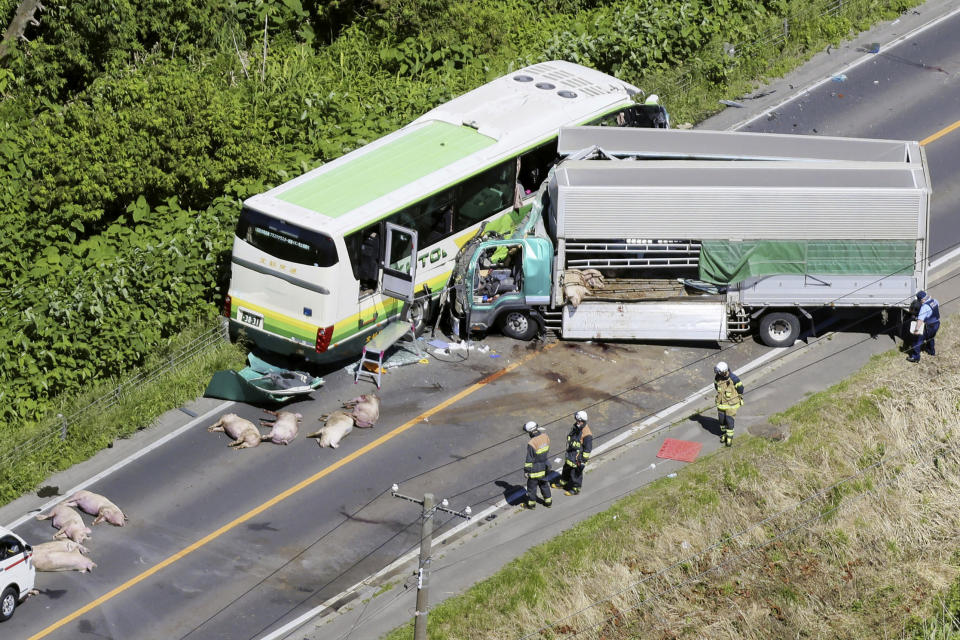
130 130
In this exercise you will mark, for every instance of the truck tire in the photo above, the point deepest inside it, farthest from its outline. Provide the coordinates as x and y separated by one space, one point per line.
8 602
518 325
779 329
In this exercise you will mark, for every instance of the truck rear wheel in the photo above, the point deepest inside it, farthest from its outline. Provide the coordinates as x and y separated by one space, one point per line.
779 329
518 325
8 602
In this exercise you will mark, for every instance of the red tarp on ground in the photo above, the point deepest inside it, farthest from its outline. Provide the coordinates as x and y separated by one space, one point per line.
682 450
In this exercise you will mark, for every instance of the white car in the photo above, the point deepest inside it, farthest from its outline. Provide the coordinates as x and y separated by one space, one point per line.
16 572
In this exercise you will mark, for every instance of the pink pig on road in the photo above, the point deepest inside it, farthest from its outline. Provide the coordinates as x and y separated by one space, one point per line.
59 545
96 505
69 523
240 429
366 410
338 425
62 561
285 426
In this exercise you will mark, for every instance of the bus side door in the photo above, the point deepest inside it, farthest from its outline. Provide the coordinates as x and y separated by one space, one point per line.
399 262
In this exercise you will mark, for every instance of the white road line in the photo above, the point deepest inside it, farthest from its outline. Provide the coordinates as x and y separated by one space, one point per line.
852 65
139 454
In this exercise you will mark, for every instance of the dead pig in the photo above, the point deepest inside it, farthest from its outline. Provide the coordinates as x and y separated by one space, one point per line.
97 505
62 561
59 545
338 425
365 410
283 429
69 523
244 433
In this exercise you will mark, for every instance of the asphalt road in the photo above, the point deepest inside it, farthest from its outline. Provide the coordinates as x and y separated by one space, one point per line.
230 544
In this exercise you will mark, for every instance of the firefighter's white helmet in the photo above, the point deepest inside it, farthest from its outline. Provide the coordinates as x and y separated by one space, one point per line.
531 427
721 368
580 416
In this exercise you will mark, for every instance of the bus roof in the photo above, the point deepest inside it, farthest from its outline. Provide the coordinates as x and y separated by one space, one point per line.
453 141
428 147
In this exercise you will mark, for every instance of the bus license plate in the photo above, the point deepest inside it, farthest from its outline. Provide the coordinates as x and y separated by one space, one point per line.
253 319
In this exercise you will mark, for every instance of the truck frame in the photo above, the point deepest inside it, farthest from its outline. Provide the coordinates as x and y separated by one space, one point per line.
649 234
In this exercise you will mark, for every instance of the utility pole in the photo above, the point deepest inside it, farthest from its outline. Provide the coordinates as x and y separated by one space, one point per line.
426 541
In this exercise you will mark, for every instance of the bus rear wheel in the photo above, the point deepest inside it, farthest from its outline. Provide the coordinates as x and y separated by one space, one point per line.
518 325
779 329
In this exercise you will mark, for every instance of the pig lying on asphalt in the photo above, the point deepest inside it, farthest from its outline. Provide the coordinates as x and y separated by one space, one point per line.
69 523
59 545
96 505
338 425
62 561
243 432
366 410
284 427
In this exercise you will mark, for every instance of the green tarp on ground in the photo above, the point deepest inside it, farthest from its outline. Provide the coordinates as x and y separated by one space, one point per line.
260 383
729 262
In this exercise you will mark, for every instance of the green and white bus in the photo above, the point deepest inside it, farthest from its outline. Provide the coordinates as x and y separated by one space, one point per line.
323 261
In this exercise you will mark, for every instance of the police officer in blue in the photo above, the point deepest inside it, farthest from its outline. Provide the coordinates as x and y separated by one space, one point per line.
929 315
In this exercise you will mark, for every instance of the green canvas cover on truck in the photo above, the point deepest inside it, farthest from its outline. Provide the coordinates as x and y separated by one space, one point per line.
729 262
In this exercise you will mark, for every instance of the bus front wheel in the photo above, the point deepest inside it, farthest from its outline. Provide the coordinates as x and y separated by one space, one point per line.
518 325
419 315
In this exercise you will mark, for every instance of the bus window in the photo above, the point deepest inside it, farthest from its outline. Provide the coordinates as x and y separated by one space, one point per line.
286 242
638 115
534 166
486 194
364 250
431 218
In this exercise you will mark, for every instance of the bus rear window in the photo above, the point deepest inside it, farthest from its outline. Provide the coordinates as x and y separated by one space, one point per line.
285 241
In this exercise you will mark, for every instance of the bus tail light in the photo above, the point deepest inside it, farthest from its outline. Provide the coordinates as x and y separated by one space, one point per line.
227 303
323 338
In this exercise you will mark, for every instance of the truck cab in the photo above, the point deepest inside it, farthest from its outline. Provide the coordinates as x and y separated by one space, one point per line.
17 573
505 279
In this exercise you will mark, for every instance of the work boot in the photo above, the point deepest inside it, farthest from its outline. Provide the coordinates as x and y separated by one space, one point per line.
913 359
548 502
729 441
531 505
556 485
574 491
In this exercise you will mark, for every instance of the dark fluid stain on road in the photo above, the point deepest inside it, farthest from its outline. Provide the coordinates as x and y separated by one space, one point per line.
258 526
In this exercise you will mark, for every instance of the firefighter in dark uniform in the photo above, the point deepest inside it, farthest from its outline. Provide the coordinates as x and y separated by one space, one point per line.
729 399
929 315
579 446
535 466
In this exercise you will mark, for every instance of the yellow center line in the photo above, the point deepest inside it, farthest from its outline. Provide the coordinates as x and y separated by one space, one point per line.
286 494
940 134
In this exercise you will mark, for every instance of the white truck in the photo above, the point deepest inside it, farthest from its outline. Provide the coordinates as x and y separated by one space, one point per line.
650 234
17 572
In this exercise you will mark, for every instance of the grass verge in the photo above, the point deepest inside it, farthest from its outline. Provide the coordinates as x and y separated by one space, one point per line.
846 530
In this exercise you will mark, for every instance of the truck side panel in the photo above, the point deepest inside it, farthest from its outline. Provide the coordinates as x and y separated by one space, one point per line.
840 291
686 320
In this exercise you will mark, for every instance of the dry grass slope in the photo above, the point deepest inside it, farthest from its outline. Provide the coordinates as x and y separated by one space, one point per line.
845 530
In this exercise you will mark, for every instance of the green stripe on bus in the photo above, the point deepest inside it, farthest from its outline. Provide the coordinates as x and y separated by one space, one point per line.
406 159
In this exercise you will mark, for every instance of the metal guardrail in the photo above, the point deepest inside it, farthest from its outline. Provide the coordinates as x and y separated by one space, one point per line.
59 427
